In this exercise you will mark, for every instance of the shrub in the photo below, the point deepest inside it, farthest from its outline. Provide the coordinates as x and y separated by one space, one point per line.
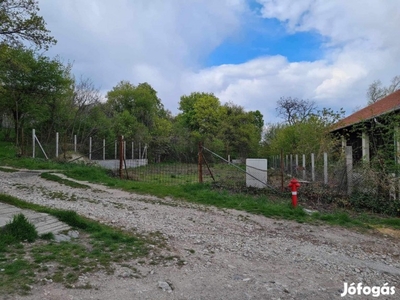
21 229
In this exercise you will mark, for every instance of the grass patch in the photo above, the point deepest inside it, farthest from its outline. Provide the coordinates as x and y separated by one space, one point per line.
97 248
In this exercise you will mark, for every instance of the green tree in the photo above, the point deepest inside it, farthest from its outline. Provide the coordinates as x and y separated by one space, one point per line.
138 114
240 131
202 114
140 101
309 136
19 21
32 86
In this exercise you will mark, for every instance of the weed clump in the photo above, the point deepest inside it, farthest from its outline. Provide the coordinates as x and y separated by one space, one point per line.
20 229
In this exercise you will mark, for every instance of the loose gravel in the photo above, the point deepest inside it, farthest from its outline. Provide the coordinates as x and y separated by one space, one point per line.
218 253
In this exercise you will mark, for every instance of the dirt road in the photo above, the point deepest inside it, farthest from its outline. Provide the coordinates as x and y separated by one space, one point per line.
223 254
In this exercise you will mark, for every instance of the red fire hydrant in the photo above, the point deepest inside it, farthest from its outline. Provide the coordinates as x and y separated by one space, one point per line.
294 184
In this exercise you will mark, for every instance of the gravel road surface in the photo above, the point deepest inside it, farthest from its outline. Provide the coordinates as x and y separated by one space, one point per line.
224 254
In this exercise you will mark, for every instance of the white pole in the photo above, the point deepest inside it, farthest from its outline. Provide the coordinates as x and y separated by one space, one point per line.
90 148
104 149
57 144
312 167
304 167
40 145
33 143
349 169
75 142
115 149
287 162
325 168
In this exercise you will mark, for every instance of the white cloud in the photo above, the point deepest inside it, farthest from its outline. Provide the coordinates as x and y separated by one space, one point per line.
163 42
139 40
361 46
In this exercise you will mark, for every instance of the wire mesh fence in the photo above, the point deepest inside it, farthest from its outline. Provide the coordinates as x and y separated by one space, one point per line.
324 178
165 173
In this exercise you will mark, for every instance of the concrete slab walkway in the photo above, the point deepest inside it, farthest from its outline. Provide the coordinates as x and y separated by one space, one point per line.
44 223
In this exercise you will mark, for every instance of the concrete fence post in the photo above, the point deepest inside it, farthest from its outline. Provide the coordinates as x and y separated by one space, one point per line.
349 169
57 137
312 167
90 148
104 149
33 143
325 168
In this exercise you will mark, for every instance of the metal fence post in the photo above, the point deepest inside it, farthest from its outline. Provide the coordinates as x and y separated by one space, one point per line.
121 154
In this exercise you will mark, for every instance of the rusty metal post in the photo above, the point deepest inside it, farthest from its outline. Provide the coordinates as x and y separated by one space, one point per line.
121 155
200 163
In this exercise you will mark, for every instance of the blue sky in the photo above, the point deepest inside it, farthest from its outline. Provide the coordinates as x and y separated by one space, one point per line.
250 52
300 46
267 37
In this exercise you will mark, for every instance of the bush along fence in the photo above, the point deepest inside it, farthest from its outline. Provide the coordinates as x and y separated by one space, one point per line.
339 179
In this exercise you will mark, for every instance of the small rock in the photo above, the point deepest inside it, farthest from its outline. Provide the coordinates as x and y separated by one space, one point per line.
246 279
73 233
309 211
164 286
237 277
62 238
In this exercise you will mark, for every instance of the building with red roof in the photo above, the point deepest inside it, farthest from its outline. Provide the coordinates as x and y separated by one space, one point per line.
373 129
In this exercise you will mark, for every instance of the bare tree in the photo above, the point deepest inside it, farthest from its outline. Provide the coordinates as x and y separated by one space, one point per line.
85 96
294 110
376 91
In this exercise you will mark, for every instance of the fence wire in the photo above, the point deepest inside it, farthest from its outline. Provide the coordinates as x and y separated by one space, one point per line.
233 175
